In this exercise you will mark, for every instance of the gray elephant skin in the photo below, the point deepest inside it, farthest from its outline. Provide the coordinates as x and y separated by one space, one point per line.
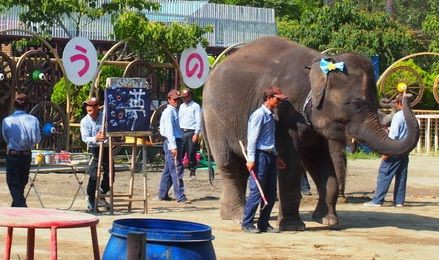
310 135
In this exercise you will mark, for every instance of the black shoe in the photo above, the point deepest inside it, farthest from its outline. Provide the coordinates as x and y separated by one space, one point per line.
184 200
90 206
164 199
250 229
270 229
306 193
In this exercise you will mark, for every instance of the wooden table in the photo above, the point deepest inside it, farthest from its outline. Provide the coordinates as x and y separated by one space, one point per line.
33 218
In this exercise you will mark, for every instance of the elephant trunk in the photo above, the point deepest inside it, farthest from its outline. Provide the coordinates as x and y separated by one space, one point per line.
373 134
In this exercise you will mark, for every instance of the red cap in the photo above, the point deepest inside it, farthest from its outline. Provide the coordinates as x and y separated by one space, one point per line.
91 102
174 94
274 91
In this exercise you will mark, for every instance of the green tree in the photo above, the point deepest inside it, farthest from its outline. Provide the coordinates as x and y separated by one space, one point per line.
52 13
289 9
344 26
153 40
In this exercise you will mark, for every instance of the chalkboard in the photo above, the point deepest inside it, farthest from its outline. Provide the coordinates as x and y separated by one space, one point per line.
127 110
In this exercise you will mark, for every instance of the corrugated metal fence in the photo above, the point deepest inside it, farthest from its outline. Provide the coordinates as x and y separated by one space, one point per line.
232 24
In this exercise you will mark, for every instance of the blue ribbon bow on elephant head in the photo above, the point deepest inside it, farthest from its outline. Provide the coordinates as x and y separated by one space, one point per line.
327 65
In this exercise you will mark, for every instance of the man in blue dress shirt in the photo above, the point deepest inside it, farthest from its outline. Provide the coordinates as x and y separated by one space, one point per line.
92 134
173 146
393 166
189 115
21 132
262 159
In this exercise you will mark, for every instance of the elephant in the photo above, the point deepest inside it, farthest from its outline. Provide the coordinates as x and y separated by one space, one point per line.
324 110
340 168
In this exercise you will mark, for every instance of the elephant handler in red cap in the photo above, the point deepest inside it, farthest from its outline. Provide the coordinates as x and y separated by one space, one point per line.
172 174
262 159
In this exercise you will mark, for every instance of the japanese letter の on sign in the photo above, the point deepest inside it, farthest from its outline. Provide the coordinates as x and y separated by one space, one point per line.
194 66
80 61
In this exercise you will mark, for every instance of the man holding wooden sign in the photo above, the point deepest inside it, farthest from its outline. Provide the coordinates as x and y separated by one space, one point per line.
92 134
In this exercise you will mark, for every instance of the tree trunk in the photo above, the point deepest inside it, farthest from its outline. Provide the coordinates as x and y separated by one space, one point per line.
389 8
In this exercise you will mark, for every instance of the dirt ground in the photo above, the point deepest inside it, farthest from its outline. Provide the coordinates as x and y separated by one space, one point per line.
409 232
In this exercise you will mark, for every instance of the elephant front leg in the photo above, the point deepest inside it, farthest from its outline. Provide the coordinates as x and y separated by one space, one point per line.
325 212
323 173
233 195
338 156
289 201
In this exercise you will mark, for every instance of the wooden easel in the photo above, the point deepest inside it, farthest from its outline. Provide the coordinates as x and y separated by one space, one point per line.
125 199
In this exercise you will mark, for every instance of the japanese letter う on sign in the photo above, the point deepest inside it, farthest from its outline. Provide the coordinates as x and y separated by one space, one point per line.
80 61
194 66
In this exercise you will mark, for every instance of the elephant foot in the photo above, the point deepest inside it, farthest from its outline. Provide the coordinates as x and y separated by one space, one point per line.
292 225
231 213
329 219
342 199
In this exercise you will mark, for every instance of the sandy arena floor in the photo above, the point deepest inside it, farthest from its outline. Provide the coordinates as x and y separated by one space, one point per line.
409 232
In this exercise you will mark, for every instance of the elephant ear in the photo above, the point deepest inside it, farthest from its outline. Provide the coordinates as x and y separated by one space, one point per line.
319 82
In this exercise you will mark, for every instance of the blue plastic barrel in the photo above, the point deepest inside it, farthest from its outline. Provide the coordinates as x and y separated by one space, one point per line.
165 239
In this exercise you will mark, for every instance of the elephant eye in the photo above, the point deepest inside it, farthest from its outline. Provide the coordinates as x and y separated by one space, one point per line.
356 103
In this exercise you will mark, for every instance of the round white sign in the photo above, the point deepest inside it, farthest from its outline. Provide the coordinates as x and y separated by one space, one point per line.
80 60
194 66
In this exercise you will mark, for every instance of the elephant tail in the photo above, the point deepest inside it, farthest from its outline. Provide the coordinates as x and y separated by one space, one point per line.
206 143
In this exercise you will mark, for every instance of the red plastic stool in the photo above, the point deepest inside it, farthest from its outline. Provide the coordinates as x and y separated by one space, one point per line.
32 218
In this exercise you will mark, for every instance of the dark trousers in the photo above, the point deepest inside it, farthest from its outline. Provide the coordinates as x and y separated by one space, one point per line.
172 173
266 171
190 148
92 172
17 176
304 184
392 167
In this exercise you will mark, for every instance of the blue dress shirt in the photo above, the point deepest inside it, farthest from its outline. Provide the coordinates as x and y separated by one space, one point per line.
90 128
21 131
190 116
170 127
260 132
398 127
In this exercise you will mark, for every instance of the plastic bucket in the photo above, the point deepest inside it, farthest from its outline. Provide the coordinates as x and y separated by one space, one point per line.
165 239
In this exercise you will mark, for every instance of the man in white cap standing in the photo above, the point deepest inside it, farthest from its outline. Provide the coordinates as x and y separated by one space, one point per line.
189 115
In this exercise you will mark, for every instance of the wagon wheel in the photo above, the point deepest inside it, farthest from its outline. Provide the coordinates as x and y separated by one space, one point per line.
154 124
435 89
7 78
141 69
36 75
399 79
53 126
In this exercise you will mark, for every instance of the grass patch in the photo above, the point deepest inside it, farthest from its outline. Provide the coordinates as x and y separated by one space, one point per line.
362 155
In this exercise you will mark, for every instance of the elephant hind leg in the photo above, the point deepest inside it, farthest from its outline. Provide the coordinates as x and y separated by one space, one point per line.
234 179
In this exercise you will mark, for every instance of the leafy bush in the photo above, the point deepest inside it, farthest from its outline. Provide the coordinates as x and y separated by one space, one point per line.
78 94
362 155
